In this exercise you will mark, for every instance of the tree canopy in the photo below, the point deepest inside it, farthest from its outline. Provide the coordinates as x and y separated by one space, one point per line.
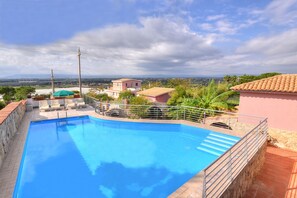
19 93
23 92
126 95
102 97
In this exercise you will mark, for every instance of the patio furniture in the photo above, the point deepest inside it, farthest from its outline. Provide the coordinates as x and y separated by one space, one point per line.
70 103
80 103
43 105
55 105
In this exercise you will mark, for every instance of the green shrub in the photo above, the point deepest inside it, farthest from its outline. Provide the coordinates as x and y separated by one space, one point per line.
2 105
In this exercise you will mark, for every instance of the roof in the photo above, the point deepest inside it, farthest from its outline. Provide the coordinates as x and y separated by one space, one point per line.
125 79
285 83
155 91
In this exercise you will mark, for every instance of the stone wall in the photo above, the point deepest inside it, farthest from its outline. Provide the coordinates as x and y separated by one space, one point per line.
245 179
10 119
283 138
235 122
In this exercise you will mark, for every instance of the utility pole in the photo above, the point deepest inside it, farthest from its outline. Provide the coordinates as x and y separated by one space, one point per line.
52 80
79 72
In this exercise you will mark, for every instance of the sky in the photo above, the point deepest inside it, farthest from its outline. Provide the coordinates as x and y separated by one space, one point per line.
148 37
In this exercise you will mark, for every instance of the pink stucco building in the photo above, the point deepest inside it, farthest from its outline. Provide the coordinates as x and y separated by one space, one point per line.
156 94
123 84
274 98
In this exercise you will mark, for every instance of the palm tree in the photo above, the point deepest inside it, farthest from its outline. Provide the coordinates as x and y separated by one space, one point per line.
213 97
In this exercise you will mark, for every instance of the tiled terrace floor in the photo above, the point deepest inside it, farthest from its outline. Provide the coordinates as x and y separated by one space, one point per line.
278 177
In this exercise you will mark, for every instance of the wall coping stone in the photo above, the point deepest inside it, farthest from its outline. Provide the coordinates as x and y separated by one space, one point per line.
6 111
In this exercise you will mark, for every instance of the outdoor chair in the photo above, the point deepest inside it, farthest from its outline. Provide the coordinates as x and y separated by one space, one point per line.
80 103
70 103
43 105
55 105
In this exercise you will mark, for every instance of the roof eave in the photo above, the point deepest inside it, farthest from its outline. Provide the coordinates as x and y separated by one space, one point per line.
266 92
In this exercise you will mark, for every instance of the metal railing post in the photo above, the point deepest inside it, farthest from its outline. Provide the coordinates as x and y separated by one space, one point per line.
184 113
246 151
230 166
204 117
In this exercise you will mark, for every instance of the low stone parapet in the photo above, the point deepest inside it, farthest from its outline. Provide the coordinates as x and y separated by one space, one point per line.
10 119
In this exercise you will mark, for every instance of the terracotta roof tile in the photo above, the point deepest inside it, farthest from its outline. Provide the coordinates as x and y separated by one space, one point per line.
155 91
285 83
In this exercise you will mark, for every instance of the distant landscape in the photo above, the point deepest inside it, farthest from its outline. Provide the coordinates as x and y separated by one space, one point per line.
43 83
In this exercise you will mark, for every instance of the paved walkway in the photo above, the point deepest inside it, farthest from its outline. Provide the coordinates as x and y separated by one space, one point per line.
278 177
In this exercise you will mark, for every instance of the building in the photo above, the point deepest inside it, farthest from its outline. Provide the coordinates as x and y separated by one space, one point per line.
123 84
156 94
274 97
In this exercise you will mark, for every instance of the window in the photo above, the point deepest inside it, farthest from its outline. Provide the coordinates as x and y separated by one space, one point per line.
136 84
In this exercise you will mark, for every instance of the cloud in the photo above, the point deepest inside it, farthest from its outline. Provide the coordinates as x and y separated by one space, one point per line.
276 45
215 17
155 45
279 12
270 53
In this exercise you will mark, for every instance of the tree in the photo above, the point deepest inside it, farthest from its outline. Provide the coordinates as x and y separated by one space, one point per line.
178 95
2 105
8 93
247 78
139 107
140 100
175 82
23 92
212 97
232 80
102 97
266 75
126 95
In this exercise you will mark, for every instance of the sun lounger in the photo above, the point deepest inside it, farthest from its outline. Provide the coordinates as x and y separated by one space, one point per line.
55 105
80 103
43 105
70 104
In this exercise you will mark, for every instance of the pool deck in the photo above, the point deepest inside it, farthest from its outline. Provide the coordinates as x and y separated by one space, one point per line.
278 177
10 166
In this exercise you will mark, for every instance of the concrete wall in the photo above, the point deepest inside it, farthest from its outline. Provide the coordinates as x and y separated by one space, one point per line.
280 109
10 119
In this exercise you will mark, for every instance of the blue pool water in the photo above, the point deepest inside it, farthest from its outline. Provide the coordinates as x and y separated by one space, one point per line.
90 157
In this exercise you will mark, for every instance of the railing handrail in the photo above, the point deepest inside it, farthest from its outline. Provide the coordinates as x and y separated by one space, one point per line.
182 106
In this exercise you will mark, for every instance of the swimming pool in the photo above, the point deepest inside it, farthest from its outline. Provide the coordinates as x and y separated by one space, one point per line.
91 157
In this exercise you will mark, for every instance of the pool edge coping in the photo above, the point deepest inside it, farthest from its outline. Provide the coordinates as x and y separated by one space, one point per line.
23 133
